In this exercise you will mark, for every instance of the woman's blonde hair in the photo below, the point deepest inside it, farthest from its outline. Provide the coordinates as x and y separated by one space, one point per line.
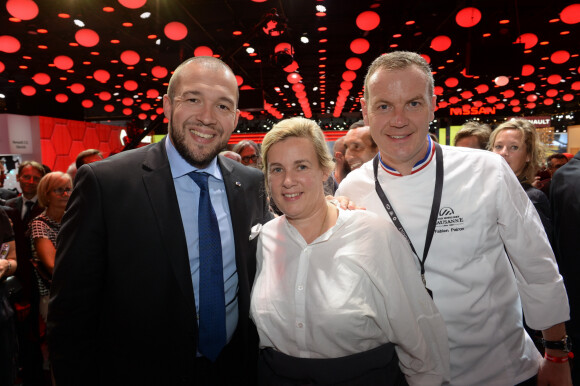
534 147
50 182
301 128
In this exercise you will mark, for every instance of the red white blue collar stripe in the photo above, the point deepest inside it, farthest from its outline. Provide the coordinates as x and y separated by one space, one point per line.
422 164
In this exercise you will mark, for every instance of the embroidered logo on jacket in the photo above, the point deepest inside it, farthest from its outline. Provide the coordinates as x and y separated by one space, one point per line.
448 221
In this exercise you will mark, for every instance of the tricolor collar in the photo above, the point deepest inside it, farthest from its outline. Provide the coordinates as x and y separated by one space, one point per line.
422 164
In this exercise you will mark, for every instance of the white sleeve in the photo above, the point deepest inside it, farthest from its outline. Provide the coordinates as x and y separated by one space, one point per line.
540 285
413 322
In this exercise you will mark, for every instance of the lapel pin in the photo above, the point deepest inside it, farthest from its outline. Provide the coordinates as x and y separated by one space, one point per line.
238 183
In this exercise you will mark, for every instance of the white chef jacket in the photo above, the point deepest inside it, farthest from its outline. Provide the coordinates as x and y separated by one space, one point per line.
478 292
352 289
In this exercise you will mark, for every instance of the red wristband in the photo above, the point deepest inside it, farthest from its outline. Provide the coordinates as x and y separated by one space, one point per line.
557 359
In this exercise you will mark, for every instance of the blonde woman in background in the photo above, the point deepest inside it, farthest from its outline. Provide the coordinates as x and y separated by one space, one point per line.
518 142
53 194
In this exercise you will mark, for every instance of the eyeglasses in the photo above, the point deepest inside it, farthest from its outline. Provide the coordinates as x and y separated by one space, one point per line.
28 178
61 191
247 158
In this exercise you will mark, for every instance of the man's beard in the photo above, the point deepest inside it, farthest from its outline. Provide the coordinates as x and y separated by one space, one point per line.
199 161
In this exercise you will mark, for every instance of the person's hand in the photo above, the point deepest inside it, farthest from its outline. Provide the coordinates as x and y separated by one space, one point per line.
538 184
554 374
343 202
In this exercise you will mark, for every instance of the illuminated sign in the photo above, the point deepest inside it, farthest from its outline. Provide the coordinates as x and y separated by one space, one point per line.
472 111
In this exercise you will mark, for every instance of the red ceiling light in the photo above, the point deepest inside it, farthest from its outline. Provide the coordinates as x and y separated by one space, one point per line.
64 15
297 87
345 85
531 105
28 90
548 101
87 103
438 90
568 97
353 64
500 106
560 57
130 85
132 4
571 14
514 102
532 98
552 93
61 98
145 107
237 33
508 93
104 95
87 37
130 57
77 88
127 101
441 43
175 30
410 22
127 111
159 72
466 94
359 46
294 77
368 20
516 109
529 40
468 17
63 62
41 78
102 76
239 80
349 75
453 100
2 67
127 24
292 67
491 99
575 85
482 88
451 82
554 79
501 80
109 108
530 86
9 44
108 9
527 69
203 51
22 9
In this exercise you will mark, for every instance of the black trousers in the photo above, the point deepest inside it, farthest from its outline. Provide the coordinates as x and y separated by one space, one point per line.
379 366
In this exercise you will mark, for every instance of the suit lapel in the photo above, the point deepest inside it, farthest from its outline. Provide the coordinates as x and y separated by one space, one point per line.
236 202
163 199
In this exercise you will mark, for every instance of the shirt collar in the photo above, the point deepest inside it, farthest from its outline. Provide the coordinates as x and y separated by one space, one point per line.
418 166
180 167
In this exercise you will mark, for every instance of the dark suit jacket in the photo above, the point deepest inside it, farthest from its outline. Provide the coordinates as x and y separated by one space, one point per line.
23 250
122 304
565 203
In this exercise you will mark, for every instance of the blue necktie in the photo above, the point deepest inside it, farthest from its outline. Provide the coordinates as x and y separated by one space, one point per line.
212 307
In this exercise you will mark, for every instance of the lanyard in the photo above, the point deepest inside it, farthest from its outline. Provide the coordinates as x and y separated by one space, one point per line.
434 209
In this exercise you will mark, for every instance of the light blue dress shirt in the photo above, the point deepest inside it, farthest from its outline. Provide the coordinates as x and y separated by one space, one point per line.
188 199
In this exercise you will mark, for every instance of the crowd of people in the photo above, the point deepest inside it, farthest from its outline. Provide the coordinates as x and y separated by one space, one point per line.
389 260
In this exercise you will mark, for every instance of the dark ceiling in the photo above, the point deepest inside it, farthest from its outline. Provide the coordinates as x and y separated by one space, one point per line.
476 57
